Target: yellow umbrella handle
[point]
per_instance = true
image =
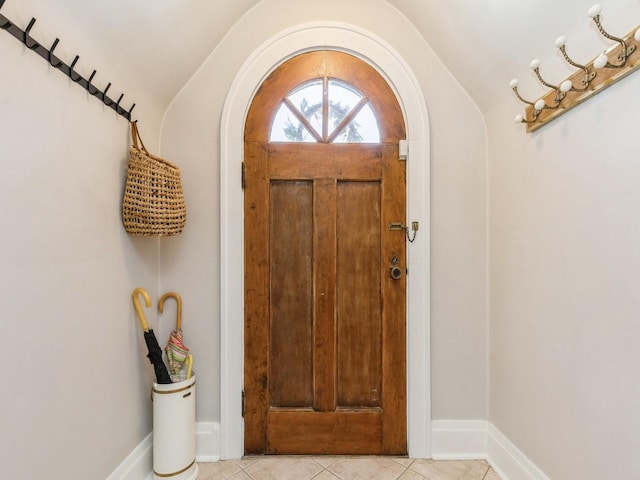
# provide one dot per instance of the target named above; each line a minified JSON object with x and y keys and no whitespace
{"x":189,"y":365}
{"x":178,"y":300}
{"x":136,"y":303}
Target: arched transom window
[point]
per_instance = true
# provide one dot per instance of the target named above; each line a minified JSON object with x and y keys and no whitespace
{"x":325,"y":110}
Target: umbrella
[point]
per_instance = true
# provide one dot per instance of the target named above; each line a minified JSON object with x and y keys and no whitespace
{"x":176,"y":350}
{"x":189,"y":365}
{"x":155,"y":352}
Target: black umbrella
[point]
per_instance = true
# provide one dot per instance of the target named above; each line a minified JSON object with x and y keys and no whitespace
{"x":155,"y":352}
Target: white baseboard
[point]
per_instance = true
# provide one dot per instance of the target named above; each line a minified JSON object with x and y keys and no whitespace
{"x":477,"y":439}
{"x":507,"y":460}
{"x":208,"y":441}
{"x":458,"y":439}
{"x":139,"y":464}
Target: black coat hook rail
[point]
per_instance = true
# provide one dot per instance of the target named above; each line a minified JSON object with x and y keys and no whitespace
{"x":24,"y":36}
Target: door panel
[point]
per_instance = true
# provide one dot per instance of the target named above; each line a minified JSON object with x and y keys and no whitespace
{"x":319,"y":433}
{"x":325,"y":346}
{"x":291,"y":296}
{"x":359,"y":296}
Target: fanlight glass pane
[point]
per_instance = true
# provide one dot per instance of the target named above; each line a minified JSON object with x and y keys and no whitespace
{"x":287,"y":128}
{"x":307,"y":102}
{"x":362,"y":129}
{"x":342,"y":98}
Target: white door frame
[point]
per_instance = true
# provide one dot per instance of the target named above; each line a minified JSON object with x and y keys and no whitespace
{"x":370,"y":48}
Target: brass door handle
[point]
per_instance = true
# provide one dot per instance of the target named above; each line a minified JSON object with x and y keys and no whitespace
{"x":394,"y":269}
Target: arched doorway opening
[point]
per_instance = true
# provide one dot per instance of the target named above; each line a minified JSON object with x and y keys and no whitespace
{"x":369,"y":47}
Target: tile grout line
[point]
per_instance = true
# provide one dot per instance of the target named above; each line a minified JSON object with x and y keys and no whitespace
{"x":487,"y":472}
{"x":420,"y":474}
{"x":323,"y":468}
{"x":245,"y":472}
{"x":404,"y":471}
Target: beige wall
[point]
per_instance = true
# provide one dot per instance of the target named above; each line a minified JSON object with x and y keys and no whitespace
{"x":75,"y":394}
{"x":564,"y":260}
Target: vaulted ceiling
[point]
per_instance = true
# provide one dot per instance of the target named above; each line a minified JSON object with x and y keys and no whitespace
{"x":483,"y":43}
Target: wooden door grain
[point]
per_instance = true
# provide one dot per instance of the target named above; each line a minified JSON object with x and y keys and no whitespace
{"x":325,"y":346}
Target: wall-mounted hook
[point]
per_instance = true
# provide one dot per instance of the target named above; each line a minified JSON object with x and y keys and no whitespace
{"x":53,"y":47}
{"x":514,"y":86}
{"x":118,"y":103}
{"x":89,"y":84}
{"x":536,"y":106}
{"x":26,"y":36}
{"x":567,"y":86}
{"x":104,"y":96}
{"x":131,"y":110}
{"x":603,"y":60}
{"x":71,"y":71}
{"x":535,"y":66}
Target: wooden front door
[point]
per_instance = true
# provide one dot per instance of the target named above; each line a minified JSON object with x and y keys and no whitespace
{"x":325,"y":338}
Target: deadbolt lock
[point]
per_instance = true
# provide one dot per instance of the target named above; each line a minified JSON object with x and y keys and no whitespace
{"x":394,"y":269}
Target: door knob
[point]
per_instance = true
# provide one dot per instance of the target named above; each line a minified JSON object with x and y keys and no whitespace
{"x":394,"y":269}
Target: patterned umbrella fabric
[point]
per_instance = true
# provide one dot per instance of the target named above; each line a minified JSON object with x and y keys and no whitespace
{"x":175,"y":350}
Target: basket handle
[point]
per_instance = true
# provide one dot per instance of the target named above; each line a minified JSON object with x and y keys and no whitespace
{"x":135,"y":136}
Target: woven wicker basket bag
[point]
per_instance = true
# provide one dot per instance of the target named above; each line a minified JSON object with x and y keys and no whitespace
{"x":153,"y":202}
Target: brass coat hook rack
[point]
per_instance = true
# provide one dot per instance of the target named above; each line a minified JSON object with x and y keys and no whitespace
{"x":616,"y":62}
{"x":24,"y":36}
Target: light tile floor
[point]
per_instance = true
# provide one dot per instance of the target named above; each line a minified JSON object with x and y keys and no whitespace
{"x":344,"y":468}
